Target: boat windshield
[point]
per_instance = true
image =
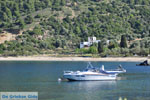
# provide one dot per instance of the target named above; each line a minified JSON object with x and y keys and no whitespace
{"x":91,"y":68}
{"x":120,"y":68}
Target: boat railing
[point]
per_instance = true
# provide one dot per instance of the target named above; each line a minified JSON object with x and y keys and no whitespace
{"x":116,"y":70}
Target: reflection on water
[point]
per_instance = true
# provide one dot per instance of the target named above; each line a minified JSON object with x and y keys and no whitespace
{"x":121,"y":78}
{"x":120,"y":98}
{"x":91,"y":86}
{"x":42,"y":77}
{"x":87,"y":88}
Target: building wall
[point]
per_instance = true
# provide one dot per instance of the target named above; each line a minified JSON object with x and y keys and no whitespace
{"x":91,"y":40}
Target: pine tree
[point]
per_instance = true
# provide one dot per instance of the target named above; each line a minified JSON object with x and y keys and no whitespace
{"x":100,"y":47}
{"x":123,"y":43}
{"x":4,"y":17}
{"x":8,"y":12}
{"x":21,"y":23}
{"x":29,"y":19}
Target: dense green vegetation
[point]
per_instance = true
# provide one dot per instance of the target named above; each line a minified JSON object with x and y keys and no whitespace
{"x":58,"y":26}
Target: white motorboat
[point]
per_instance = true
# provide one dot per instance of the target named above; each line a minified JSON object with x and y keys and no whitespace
{"x":92,"y":74}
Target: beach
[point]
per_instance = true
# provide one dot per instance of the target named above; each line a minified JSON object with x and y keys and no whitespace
{"x":48,"y":58}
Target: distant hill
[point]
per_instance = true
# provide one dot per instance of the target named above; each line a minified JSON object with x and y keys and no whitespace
{"x":58,"y":26}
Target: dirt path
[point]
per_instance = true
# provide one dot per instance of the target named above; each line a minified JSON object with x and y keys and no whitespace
{"x":72,"y":11}
{"x":7,"y":37}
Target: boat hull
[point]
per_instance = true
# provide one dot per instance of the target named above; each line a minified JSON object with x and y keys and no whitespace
{"x":90,"y":77}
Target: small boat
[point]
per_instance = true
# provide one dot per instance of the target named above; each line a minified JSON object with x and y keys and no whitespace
{"x":92,"y":74}
{"x":145,"y":63}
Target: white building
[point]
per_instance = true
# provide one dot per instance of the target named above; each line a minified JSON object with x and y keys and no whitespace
{"x":91,"y":40}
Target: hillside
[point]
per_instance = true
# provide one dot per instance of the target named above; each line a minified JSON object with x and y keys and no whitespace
{"x":58,"y":26}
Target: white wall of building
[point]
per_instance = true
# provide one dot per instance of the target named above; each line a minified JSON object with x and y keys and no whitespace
{"x":91,"y":40}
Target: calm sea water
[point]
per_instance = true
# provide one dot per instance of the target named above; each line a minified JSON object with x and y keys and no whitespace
{"x":42,"y":77}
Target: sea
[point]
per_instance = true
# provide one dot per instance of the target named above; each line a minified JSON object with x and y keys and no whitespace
{"x":42,"y":77}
